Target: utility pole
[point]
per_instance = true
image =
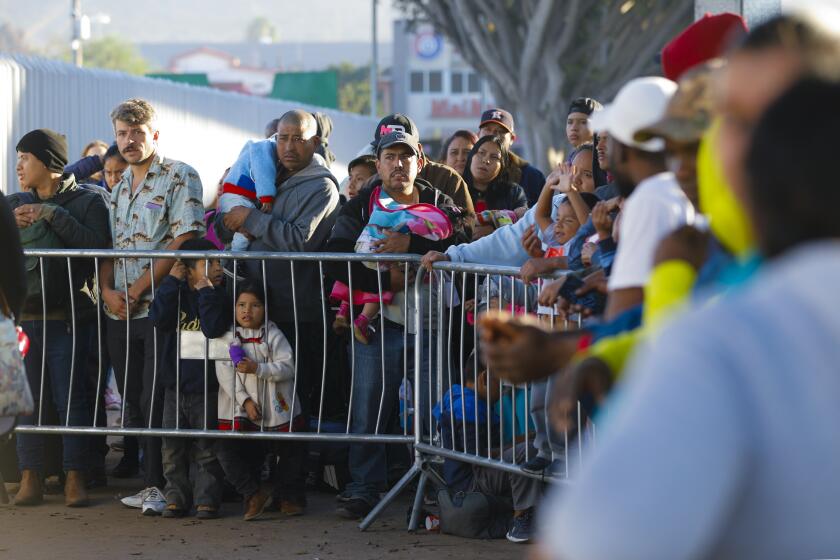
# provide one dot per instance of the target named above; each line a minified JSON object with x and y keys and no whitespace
{"x":374,"y":71}
{"x":76,"y":43}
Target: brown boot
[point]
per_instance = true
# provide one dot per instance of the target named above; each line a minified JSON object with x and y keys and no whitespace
{"x":31,"y":493}
{"x":75,"y":492}
{"x":256,"y":504}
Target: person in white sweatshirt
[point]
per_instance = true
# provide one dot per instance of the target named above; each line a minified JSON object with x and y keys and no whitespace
{"x":257,"y":393}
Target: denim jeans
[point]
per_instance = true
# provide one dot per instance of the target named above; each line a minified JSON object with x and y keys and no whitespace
{"x":549,"y":445}
{"x":368,"y":464}
{"x":59,"y":365}
{"x":140,"y":401}
{"x":180,"y":453}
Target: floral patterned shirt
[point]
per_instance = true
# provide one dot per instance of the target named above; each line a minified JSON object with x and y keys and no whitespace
{"x":165,"y":205}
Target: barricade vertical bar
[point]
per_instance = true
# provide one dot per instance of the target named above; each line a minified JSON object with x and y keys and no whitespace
{"x":475,"y":361}
{"x":461,"y":354}
{"x":352,"y":347}
{"x":235,"y":373}
{"x":154,"y":348}
{"x":324,"y":361}
{"x":98,"y":339}
{"x":127,"y":343}
{"x":501,"y":385}
{"x":513,"y":407}
{"x":381,"y":350}
{"x":405,"y":350}
{"x":178,"y":370}
{"x":489,"y":432}
{"x":43,"y":340}
{"x":73,"y":336}
{"x":206,"y":358}
{"x":527,"y":412}
{"x":441,"y":295}
{"x":432,"y":277}
{"x":264,"y":385}
{"x":297,"y":347}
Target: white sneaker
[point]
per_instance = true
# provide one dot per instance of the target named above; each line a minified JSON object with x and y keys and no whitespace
{"x":155,"y":503}
{"x":136,"y":501}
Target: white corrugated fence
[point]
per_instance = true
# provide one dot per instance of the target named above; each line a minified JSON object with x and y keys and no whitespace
{"x":201,"y":126}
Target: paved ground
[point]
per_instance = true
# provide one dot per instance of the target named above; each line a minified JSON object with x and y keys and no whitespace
{"x":107,"y":530}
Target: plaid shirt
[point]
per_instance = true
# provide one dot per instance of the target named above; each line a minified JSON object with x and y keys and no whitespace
{"x":165,"y":205}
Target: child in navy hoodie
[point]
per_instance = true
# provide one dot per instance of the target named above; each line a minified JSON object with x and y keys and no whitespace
{"x":191,"y":299}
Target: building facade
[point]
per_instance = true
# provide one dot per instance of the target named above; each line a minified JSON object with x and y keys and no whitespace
{"x":433,"y":84}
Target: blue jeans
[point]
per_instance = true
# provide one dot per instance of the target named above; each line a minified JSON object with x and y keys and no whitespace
{"x":58,"y":369}
{"x":368,"y":464}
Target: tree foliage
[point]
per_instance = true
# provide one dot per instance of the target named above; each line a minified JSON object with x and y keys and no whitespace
{"x":261,"y":30}
{"x":354,"y":88}
{"x":113,"y":53}
{"x":13,"y":39}
{"x":539,"y":54}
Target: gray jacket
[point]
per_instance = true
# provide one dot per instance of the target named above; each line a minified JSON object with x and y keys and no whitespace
{"x":304,"y":212}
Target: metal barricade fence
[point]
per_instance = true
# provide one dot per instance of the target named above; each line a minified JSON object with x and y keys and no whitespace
{"x":430,"y":316}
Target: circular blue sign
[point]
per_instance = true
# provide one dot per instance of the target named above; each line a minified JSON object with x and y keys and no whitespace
{"x":428,"y":44}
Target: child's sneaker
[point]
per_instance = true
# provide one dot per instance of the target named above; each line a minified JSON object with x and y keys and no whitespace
{"x":154,"y":503}
{"x":522,"y":527}
{"x":361,"y":329}
{"x":341,"y":324}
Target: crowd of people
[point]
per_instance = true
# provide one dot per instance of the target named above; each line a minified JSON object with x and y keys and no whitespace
{"x":689,"y":229}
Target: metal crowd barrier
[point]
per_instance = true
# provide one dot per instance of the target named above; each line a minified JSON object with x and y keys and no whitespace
{"x":435,"y":323}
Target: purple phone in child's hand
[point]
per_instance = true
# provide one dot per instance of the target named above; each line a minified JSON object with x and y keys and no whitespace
{"x":237,"y":354}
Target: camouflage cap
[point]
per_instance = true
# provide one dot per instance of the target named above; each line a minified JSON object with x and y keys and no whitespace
{"x":690,"y":110}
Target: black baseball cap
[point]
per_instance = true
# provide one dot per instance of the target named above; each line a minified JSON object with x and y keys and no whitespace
{"x":396,"y":122}
{"x":398,"y":137}
{"x":498,"y":116}
{"x":585,"y":105}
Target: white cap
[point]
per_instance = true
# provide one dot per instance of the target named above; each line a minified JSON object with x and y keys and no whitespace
{"x":637,"y":105}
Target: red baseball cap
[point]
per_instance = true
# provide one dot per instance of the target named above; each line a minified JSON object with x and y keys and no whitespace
{"x":703,"y":40}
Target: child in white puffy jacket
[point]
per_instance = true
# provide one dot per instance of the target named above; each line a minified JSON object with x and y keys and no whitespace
{"x":256,"y":393}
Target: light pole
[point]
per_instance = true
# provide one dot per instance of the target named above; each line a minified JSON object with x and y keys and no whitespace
{"x":374,"y":93}
{"x":76,"y":43}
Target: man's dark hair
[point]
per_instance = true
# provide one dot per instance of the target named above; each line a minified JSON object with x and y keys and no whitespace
{"x":271,"y":127}
{"x":792,"y":185}
{"x":112,"y":152}
{"x":251,"y":287}
{"x":195,"y":244}
{"x":817,"y":47}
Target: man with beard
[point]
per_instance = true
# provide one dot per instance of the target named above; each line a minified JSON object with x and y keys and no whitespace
{"x":655,"y":205}
{"x":156,"y":205}
{"x":378,"y":365}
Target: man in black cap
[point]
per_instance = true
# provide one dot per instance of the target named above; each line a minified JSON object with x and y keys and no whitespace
{"x":441,"y":176}
{"x":374,"y":407}
{"x":54,"y":212}
{"x":498,"y":122}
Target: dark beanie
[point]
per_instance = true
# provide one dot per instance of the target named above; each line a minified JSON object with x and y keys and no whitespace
{"x":48,"y":146}
{"x":585,"y":105}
